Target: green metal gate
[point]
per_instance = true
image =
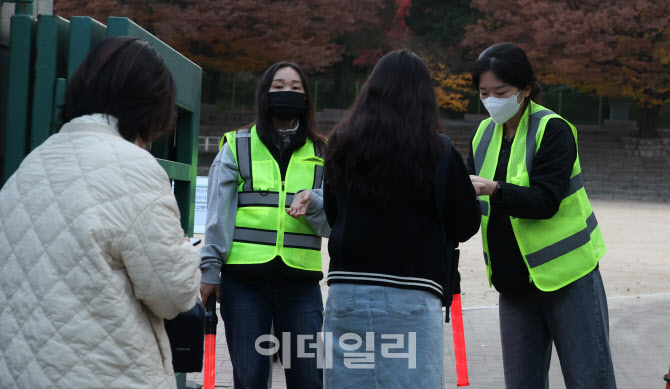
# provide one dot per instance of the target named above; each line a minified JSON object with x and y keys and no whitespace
{"x":43,"y":53}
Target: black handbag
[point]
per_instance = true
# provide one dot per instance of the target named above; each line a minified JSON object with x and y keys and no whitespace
{"x":187,"y":338}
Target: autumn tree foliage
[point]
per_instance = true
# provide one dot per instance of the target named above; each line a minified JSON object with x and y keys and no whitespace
{"x":391,"y":34}
{"x":243,"y":35}
{"x":138,"y":10}
{"x":235,"y":36}
{"x":614,"y":48}
{"x":452,"y":89}
{"x":438,"y":27}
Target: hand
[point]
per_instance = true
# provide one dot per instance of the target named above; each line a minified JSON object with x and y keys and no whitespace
{"x":300,"y":203}
{"x":207,"y":289}
{"x":483,"y":187}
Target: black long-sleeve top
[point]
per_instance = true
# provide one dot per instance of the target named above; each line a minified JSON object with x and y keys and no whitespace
{"x":381,"y":244}
{"x":549,"y":182}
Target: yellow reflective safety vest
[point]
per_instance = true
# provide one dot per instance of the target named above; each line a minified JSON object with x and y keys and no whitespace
{"x":559,"y":250}
{"x":263,"y":229}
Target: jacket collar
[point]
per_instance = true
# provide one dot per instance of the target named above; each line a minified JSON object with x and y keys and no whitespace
{"x":96,"y":123}
{"x":273,"y":140}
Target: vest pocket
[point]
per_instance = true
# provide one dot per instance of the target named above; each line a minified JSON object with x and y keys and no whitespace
{"x":257,"y":217}
{"x":262,"y":173}
{"x":521,"y":177}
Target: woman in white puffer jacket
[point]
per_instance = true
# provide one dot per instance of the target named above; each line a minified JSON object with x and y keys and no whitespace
{"x":92,"y":254}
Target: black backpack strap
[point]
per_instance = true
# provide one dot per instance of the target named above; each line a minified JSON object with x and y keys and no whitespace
{"x":442,"y":171}
{"x":452,"y":279}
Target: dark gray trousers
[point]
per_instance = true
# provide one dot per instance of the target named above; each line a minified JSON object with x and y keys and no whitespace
{"x":575,"y":319}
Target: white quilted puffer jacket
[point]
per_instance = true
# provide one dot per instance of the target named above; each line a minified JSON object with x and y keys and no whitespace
{"x":92,"y":258}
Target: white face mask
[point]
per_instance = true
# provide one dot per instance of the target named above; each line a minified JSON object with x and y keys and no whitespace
{"x":502,"y":109}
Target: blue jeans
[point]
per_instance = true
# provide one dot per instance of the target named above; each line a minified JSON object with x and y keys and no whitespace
{"x":363,"y":330}
{"x":575,"y":318}
{"x":249,"y":309}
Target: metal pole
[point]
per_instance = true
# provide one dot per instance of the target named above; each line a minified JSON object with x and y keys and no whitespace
{"x":316,"y":94}
{"x":232,"y":103}
{"x":600,"y":110}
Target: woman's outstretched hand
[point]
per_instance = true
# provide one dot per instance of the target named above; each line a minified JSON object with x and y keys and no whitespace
{"x":300,"y":203}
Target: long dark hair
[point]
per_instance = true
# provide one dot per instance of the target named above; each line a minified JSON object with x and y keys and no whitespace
{"x":509,"y":63}
{"x":263,"y":117}
{"x":388,"y":145}
{"x":126,"y":78}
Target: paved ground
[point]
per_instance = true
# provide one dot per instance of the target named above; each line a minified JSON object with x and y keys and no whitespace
{"x":639,"y":329}
{"x":636,"y":272}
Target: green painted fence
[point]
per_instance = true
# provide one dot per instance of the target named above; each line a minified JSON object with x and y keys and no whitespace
{"x":44,"y":52}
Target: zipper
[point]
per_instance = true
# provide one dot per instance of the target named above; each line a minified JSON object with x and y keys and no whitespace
{"x":282,"y":214}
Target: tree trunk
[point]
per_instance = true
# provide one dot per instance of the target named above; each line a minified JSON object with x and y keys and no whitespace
{"x":647,"y":121}
{"x":212,"y":91}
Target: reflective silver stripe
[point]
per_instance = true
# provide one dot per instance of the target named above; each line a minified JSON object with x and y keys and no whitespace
{"x":260,"y":199}
{"x":289,"y":199}
{"x":316,"y":151}
{"x":531,"y":137}
{"x":565,"y":246}
{"x":318,"y":176}
{"x":251,"y":235}
{"x":486,"y":258}
{"x":484,"y":206}
{"x":243,"y":146}
{"x":483,"y":146}
{"x":302,"y":241}
{"x":576,"y":183}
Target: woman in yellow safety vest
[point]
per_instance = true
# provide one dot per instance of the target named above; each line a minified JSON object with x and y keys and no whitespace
{"x":265,"y":220}
{"x":541,"y":238}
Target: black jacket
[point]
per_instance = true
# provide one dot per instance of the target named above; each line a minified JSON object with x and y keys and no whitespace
{"x":371,"y":243}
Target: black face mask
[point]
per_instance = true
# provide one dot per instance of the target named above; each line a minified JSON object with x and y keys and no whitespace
{"x":286,"y":105}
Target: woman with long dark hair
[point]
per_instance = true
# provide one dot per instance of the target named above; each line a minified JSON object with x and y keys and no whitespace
{"x":387,"y":248}
{"x":542,"y":243}
{"x":262,"y":252}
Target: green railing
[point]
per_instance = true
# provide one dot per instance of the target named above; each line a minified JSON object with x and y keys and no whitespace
{"x":43,"y":53}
